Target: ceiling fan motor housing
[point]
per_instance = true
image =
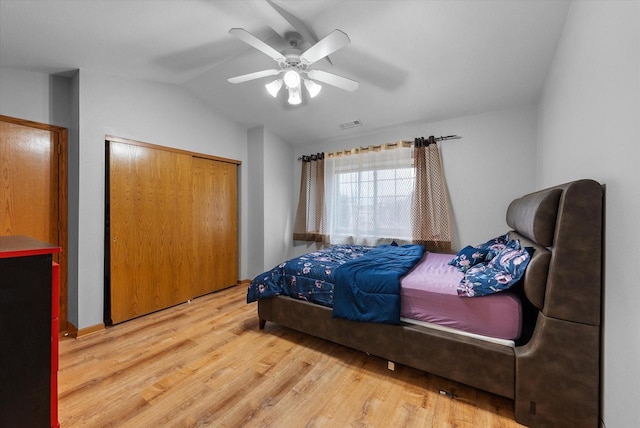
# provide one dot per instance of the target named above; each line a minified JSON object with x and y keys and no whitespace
{"x":294,"y":39}
{"x":292,"y":54}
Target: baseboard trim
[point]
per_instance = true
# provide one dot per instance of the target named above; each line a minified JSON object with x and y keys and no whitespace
{"x":83,"y":332}
{"x":244,"y":281}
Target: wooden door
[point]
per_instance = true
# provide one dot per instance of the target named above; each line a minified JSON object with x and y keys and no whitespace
{"x":215,"y":225}
{"x":150,"y":229}
{"x":33,"y":188}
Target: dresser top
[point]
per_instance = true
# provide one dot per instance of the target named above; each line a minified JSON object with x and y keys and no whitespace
{"x":22,"y":246}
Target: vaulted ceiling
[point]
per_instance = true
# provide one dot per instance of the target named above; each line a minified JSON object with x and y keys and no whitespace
{"x":415,"y":60}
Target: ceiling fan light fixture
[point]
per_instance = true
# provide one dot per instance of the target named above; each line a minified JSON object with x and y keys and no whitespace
{"x":274,"y":87}
{"x":294,"y":95}
{"x":312,"y":87}
{"x":292,"y":79}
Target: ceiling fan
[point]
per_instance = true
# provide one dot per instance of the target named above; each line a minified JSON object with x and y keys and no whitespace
{"x":294,"y":65}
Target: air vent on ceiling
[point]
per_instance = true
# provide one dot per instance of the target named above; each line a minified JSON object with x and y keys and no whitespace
{"x":350,"y":124}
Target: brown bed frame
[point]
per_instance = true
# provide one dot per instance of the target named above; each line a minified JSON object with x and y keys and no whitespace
{"x":553,"y":374}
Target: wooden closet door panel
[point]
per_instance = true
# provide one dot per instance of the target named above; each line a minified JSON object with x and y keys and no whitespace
{"x":215,"y":228}
{"x":227,"y":220}
{"x":204,"y":258}
{"x":150,"y":229}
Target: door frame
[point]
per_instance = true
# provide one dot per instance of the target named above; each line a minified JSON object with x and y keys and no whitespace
{"x":60,"y":137}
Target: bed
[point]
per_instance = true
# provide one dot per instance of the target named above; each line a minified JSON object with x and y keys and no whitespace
{"x":543,"y":350}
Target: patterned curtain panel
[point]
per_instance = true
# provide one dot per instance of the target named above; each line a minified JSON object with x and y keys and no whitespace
{"x":430,"y":208}
{"x":310,"y":223}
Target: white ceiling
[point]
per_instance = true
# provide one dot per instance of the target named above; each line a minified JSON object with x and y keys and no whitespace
{"x":415,"y":60}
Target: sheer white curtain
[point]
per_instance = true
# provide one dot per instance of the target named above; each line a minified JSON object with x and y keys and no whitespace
{"x":368,"y":195}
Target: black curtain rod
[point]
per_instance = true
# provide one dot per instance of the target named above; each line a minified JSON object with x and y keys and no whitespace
{"x":309,"y":158}
{"x":420,"y":140}
{"x":424,"y":142}
{"x":448,"y":137}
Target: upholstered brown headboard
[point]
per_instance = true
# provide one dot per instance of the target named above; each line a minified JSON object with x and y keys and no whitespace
{"x":563,"y":278}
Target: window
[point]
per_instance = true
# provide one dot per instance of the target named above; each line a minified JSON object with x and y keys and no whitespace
{"x":376,"y":203}
{"x":369,"y":196}
{"x":375,"y":195}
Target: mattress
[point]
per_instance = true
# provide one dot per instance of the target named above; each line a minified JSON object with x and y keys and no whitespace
{"x":428,"y":295}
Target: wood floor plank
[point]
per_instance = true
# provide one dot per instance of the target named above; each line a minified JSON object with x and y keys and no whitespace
{"x":206,"y":363}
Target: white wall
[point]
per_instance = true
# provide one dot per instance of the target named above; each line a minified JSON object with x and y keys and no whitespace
{"x":493,"y":163}
{"x":255,"y":207}
{"x":35,"y":96}
{"x":270,"y":200}
{"x":589,"y":127}
{"x":278,"y":204}
{"x":73,"y":184}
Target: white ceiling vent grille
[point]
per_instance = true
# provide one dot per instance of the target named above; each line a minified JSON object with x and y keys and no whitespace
{"x":350,"y":124}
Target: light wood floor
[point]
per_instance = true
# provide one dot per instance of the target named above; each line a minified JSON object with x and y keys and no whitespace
{"x":205,"y":363}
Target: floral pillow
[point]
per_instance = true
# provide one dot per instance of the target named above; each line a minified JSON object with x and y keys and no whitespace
{"x":503,"y":271}
{"x":499,"y":241}
{"x":495,"y":245}
{"x":469,"y":256}
{"x":511,"y":257}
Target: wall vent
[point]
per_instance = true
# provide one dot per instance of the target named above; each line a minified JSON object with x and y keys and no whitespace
{"x":350,"y":124}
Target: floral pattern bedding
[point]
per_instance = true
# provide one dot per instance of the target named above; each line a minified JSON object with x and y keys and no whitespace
{"x":309,"y":277}
{"x":503,"y":271}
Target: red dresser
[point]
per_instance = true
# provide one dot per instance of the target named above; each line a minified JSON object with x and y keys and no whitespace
{"x":28,"y":332}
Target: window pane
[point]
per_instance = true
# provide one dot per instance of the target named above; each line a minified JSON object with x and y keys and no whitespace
{"x":405,"y":173}
{"x":386,"y":174}
{"x":375,"y":203}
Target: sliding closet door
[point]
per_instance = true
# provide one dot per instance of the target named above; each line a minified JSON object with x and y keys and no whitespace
{"x":215,"y":225}
{"x":150,"y":229}
{"x":171,"y":227}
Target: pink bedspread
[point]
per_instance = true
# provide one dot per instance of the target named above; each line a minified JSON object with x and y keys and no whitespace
{"x":428,"y":293}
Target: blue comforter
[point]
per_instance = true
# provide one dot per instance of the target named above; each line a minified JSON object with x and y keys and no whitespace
{"x":368,"y":288}
{"x":308,"y":277}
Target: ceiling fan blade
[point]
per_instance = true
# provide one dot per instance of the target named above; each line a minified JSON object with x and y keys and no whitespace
{"x":283,"y":22}
{"x":253,"y":76}
{"x":252,"y":40}
{"x":334,"y":79}
{"x":334,"y":41}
